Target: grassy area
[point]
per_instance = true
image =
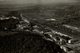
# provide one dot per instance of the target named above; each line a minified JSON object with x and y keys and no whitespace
{"x":27,"y":42}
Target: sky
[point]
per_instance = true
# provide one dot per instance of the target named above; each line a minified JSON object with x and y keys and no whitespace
{"x":35,"y":1}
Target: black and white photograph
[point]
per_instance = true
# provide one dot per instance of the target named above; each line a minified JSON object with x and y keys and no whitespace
{"x":39,"y":26}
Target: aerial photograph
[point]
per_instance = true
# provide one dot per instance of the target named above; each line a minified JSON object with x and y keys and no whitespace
{"x":39,"y":26}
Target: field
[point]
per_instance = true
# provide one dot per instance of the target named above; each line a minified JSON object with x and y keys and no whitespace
{"x":63,"y":18}
{"x":63,"y":14}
